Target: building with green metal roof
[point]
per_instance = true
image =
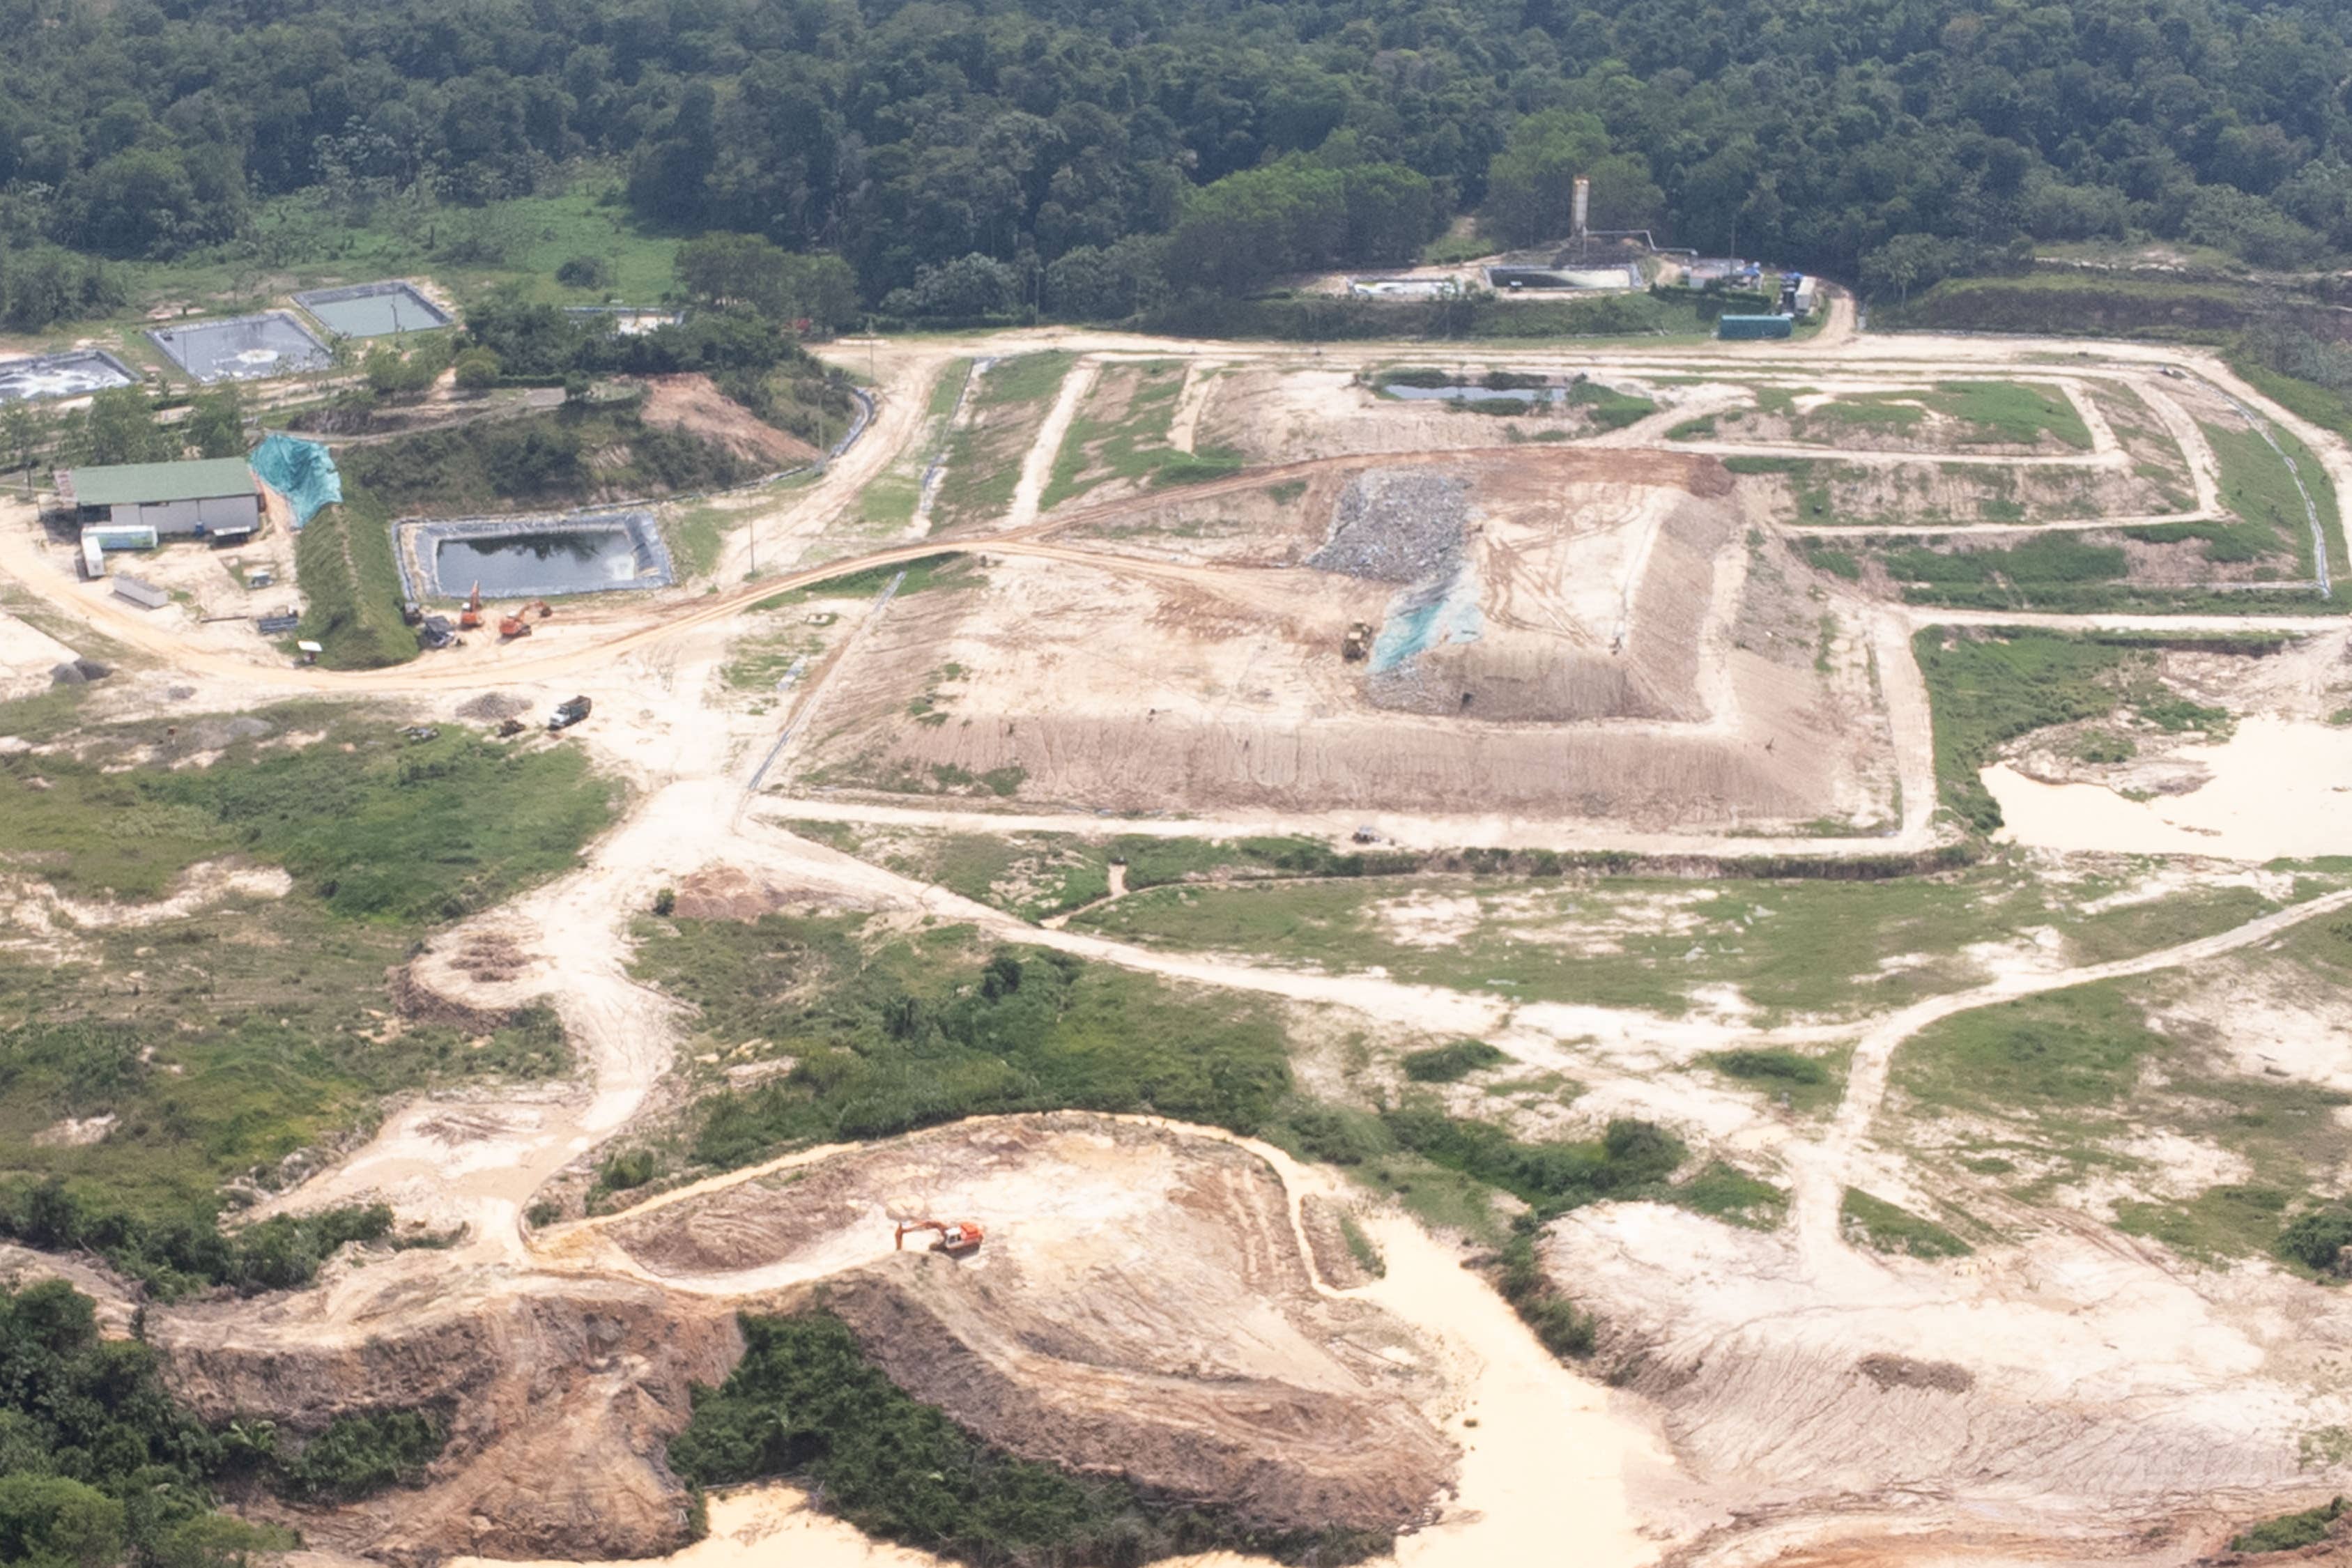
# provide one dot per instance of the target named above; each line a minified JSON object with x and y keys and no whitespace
{"x":212,"y":498}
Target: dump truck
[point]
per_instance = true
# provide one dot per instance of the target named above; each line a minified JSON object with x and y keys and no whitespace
{"x":1356,"y":645}
{"x":567,"y":714}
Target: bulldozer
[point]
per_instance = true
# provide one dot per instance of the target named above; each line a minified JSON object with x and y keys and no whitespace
{"x":1358,"y":644}
{"x":958,"y":1238}
{"x":470,"y":619}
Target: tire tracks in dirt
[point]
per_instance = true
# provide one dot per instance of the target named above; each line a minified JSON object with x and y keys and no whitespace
{"x":1821,"y":1168}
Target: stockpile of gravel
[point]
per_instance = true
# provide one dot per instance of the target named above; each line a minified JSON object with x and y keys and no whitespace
{"x":1396,"y":525}
{"x":492,"y":706}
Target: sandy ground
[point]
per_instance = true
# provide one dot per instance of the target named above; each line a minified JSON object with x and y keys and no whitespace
{"x":2278,"y":788}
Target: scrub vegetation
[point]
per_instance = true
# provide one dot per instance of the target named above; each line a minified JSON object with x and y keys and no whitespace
{"x":806,"y":1404}
{"x":200,"y":1052}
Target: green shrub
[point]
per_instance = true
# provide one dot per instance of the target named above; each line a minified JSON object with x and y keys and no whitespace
{"x":98,"y":1464}
{"x":360,"y":1454}
{"x":1450,"y":1064}
{"x":1550,"y":1178}
{"x":1775,"y":1063}
{"x":2290,"y":1532}
{"x":630,"y":1168}
{"x":2317,"y":1241}
{"x":1566,"y":1330}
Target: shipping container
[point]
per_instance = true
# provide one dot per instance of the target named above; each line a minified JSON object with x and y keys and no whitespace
{"x":1750,"y":329}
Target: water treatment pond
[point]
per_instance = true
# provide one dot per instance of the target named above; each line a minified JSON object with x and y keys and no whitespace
{"x":557,"y":561}
{"x":1475,"y":394}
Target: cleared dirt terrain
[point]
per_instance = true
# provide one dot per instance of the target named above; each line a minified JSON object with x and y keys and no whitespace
{"x":1559,"y":633}
{"x":1458,"y":630}
{"x":1143,"y":1307}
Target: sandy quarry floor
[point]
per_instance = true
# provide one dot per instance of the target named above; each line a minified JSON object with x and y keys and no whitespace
{"x":2063,"y":1396}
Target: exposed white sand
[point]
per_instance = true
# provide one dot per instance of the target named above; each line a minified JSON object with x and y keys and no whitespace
{"x":2280,"y":787}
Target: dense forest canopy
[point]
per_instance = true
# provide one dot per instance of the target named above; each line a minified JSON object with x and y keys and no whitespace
{"x":1082,"y":156}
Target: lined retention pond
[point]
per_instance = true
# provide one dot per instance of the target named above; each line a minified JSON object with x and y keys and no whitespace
{"x":531,"y":557}
{"x":576,"y":561}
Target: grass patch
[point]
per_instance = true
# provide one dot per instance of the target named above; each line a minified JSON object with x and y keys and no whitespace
{"x":1608,"y":408}
{"x":375,"y":825}
{"x":350,"y":584}
{"x":2073,"y":1050}
{"x":1450,"y":1064}
{"x":948,"y":568}
{"x":2235,"y":1220}
{"x":1361,"y":1248}
{"x":2258,"y":488}
{"x":1880,"y":1226}
{"x":805,"y":1402}
{"x":1120,"y":431}
{"x":1792,"y":947}
{"x":1724,"y":1191}
{"x":1009,"y":404}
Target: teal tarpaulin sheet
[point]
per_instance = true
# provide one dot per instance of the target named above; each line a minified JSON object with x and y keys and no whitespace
{"x":301,"y":471}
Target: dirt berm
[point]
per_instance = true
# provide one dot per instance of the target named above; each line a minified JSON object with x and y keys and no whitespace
{"x":1141,"y":1307}
{"x":562,"y":1398}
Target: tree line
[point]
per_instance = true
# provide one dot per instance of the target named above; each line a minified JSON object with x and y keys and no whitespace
{"x":1075,"y":158}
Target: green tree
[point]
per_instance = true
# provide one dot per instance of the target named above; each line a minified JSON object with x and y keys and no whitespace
{"x":1530,"y":184}
{"x":122,"y":428}
{"x":477,"y":370}
{"x":735,"y":271}
{"x":215,"y":423}
{"x":21,"y":437}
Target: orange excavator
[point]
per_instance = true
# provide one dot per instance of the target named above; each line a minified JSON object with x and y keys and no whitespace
{"x":513,"y":627}
{"x":958,"y":1238}
{"x":470,"y":619}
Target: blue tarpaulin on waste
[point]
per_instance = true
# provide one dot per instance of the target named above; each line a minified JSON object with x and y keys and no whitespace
{"x":301,"y":471}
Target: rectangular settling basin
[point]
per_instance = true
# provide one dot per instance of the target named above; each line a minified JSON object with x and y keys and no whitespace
{"x":373,"y":309}
{"x":72,"y":374}
{"x":243,"y":348}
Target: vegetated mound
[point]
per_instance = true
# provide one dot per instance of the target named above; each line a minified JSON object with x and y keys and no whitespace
{"x":560,"y":1396}
{"x":692,"y":403}
{"x":579,"y":453}
{"x":1141,"y":1307}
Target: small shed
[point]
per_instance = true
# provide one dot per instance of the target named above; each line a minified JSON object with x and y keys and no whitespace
{"x":212,"y":495}
{"x":146,"y":595}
